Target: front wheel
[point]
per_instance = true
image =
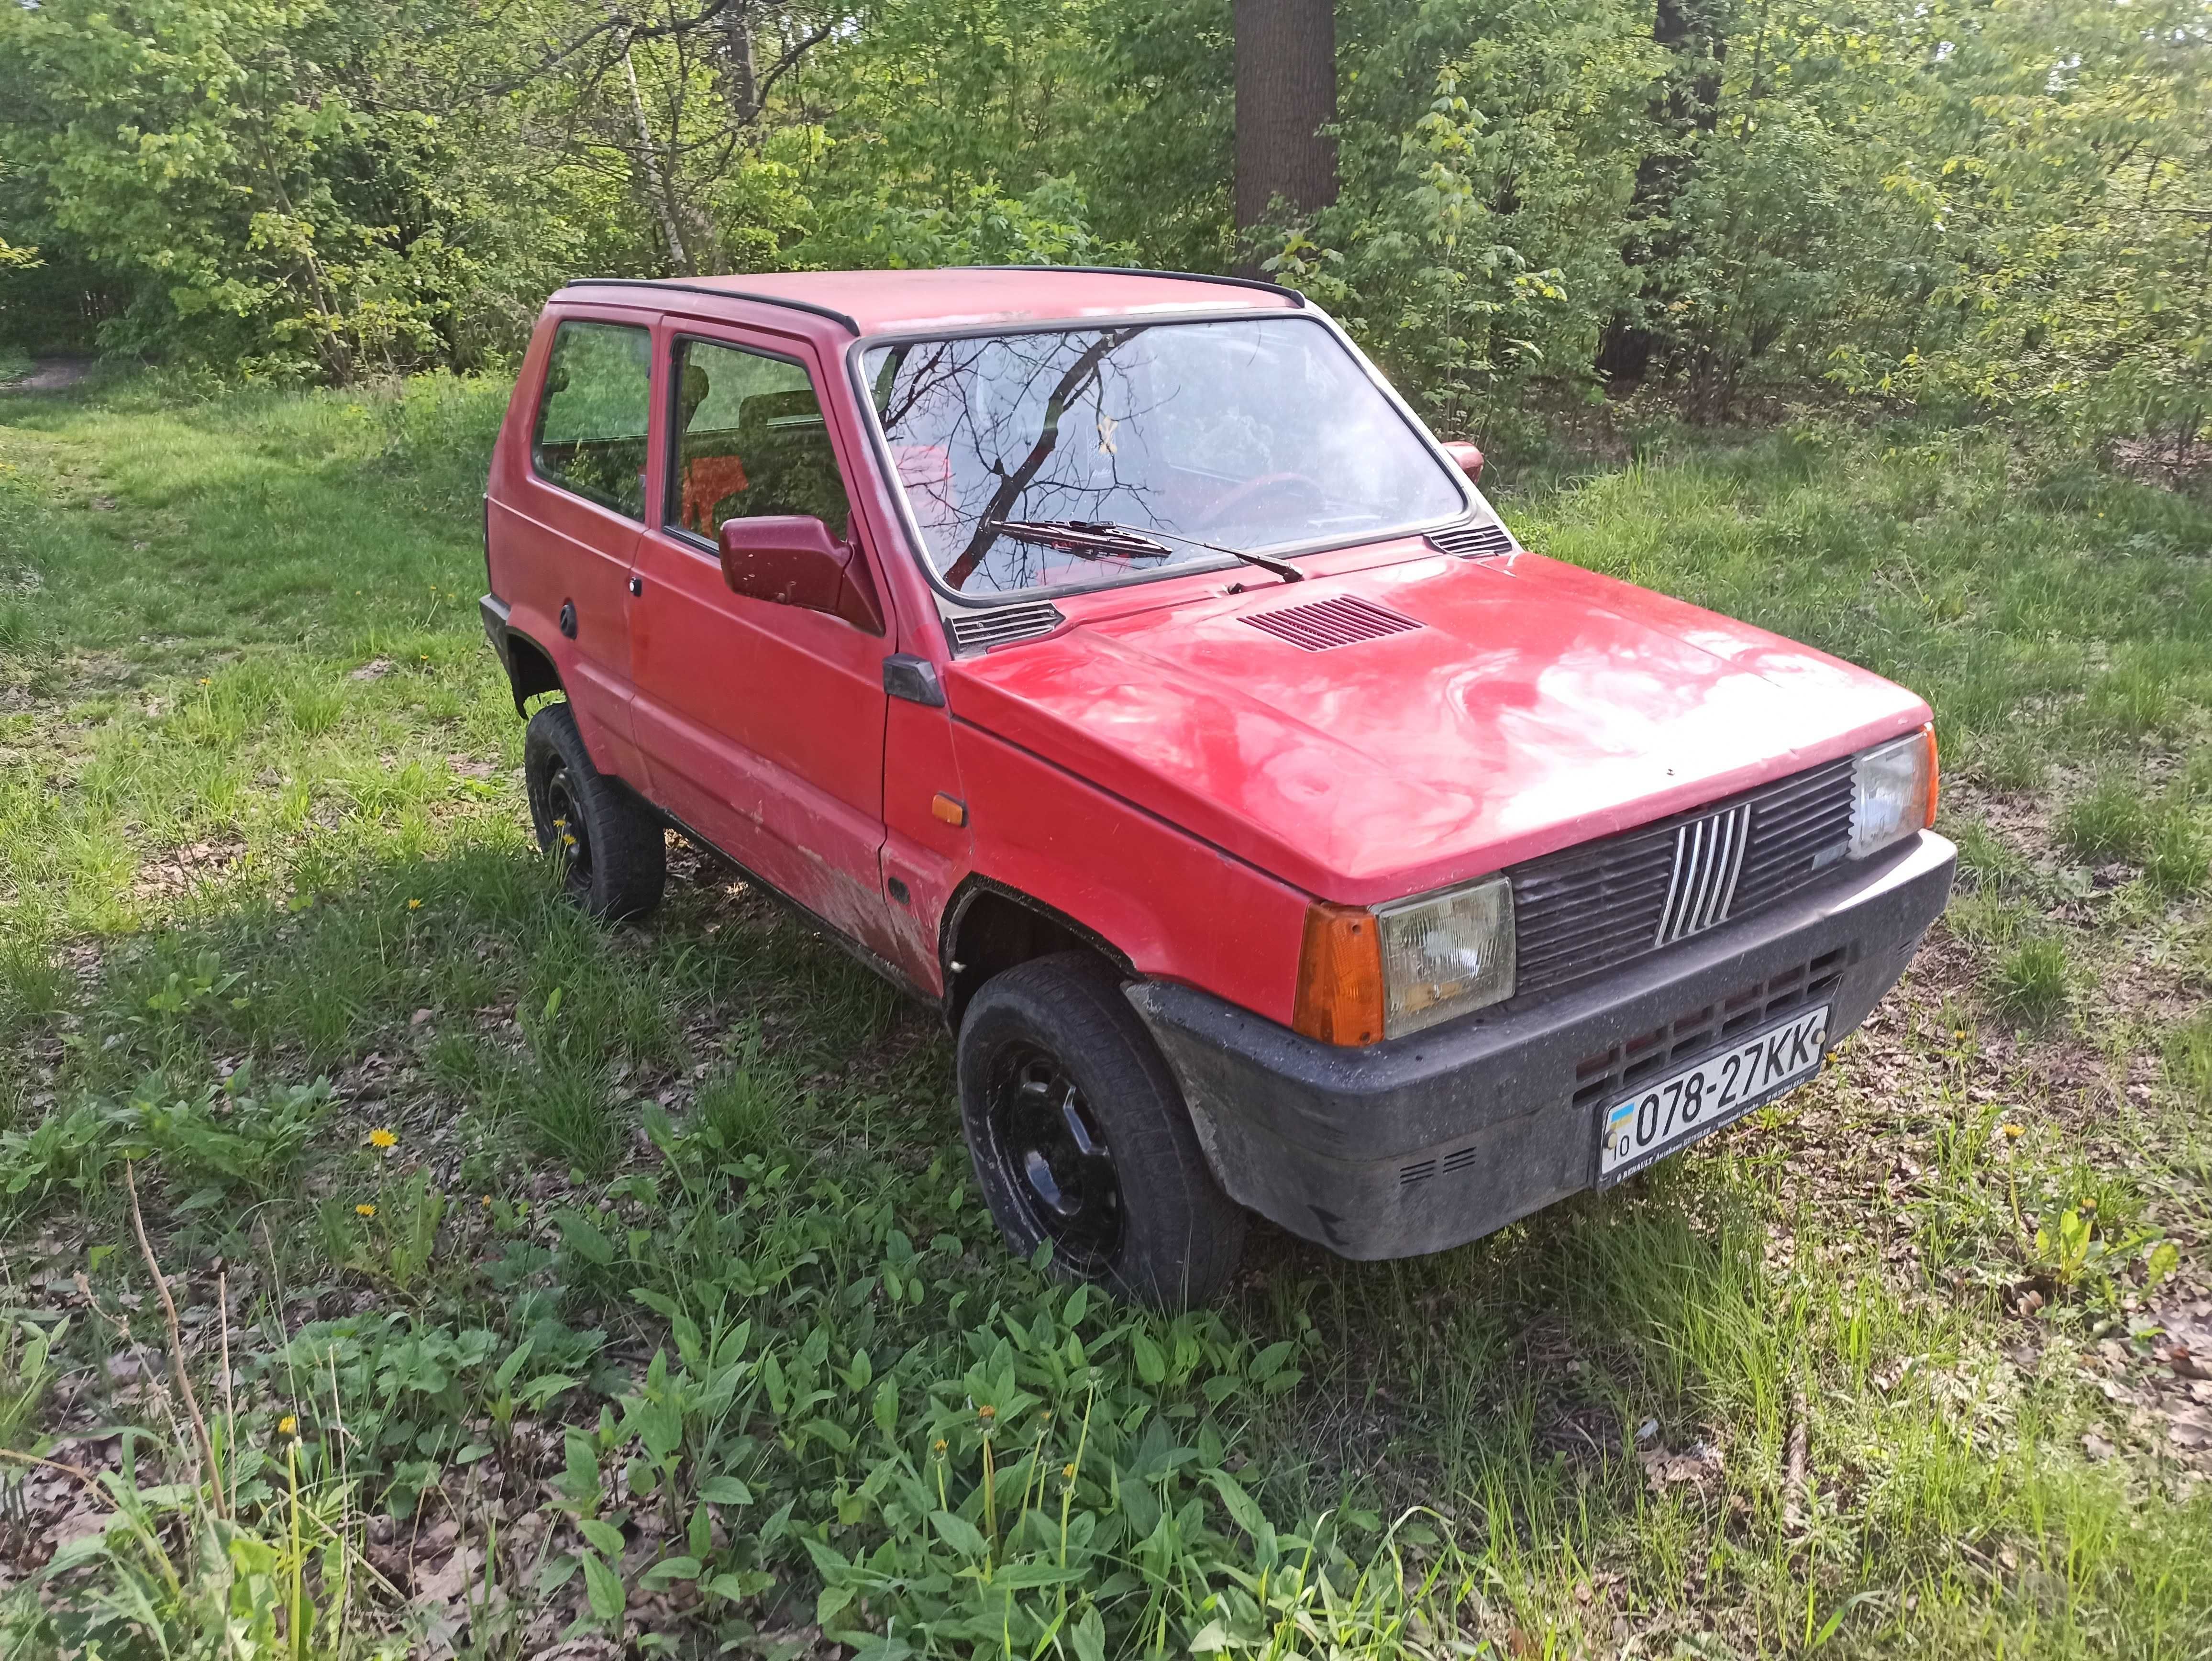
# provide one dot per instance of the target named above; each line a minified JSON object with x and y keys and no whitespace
{"x":1080,"y":1136}
{"x":612,"y":853}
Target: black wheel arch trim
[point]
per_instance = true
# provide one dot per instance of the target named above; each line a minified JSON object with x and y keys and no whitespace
{"x":504,"y":636}
{"x":975,"y":886}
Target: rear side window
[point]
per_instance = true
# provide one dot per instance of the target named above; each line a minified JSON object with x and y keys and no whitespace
{"x":591,"y":416}
{"x":749,"y":439}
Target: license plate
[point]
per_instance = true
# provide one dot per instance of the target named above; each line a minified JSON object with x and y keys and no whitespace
{"x":1675,"y":1111}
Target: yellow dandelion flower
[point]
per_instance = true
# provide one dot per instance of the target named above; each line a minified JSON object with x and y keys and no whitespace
{"x":484,"y":1200}
{"x":938,"y":1446}
{"x":364,"y":1211}
{"x":1068,"y":1471}
{"x":414,"y":905}
{"x":2012,"y":1132}
{"x":380,"y":1137}
{"x":288,"y":1426}
{"x":204,"y":681}
{"x":986,"y":1412}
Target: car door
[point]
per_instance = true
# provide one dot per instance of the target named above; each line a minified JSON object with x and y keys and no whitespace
{"x":565,"y":531}
{"x":762,"y":725}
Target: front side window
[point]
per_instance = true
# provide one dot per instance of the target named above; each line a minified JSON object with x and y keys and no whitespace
{"x":749,"y":439}
{"x":592,"y":416}
{"x":1252,"y":432}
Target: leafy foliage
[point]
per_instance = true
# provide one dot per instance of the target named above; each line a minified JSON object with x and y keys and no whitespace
{"x":1983,"y":206}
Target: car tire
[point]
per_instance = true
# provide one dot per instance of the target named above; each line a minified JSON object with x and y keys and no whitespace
{"x":612,"y":853}
{"x":1080,"y":1136}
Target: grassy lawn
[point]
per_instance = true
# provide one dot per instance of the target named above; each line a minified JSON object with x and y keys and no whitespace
{"x":540,"y":1283}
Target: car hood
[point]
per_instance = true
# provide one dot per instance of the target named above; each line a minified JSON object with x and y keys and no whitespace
{"x":1533,"y":705}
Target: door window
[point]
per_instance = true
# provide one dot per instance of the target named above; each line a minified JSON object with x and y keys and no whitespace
{"x":749,"y":439}
{"x":591,"y":416}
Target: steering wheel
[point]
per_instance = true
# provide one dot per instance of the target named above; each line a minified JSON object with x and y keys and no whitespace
{"x":1259,"y":490}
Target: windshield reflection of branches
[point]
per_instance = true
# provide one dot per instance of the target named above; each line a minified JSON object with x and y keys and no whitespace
{"x":1001,"y":408}
{"x":1014,"y":441}
{"x":1258,"y":432}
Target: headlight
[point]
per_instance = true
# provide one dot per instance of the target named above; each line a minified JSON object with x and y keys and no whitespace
{"x":1365,"y":975}
{"x":1446,"y":954}
{"x":1892,"y":792}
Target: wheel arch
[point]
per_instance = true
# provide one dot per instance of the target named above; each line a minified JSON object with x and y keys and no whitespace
{"x":529,"y":669}
{"x":989,"y":928}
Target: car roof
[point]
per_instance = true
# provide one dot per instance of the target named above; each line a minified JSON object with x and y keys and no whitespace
{"x":957,"y":297}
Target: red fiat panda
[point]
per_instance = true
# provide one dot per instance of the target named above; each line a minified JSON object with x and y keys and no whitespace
{"x":1112,"y":659}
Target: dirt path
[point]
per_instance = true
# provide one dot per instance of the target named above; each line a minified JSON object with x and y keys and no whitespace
{"x":51,"y":374}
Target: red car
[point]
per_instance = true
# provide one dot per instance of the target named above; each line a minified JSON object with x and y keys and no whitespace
{"x":1112,"y":659}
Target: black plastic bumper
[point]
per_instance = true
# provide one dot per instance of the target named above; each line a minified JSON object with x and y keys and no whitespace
{"x":1435,"y":1139}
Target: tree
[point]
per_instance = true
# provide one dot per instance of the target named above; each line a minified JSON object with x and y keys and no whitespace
{"x":1684,"y":109}
{"x":1285,"y":71}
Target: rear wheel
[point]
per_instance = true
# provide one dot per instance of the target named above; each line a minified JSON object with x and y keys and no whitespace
{"x":612,"y":855}
{"x":1080,"y":1136}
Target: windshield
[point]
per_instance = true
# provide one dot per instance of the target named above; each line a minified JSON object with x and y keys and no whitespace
{"x":1255,"y":433}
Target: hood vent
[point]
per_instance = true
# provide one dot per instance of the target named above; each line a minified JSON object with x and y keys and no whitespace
{"x":1474,"y":541}
{"x":1326,"y":624}
{"x":979,"y":631}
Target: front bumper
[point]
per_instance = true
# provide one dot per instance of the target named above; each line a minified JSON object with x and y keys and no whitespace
{"x":1429,"y":1140}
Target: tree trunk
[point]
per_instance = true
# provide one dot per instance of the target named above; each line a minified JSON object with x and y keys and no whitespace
{"x":737,"y":51}
{"x":656,"y":186}
{"x":1285,"y":71}
{"x":1689,"y":101}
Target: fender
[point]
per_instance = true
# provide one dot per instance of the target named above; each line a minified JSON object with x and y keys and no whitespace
{"x":529,"y":670}
{"x":962,"y":978}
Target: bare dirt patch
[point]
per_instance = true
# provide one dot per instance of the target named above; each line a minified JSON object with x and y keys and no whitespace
{"x":51,"y":374}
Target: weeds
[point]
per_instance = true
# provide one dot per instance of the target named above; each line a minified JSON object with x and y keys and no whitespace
{"x":2113,"y":821}
{"x":2189,"y":1059}
{"x":2120,"y":820}
{"x":2032,"y":982}
{"x":27,"y":1371}
{"x":641,"y":1270}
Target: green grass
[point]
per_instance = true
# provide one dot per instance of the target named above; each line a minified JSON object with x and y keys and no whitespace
{"x":2031,"y":981}
{"x":672,"y":1302}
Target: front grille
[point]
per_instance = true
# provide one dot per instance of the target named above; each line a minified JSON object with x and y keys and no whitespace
{"x":1587,"y":909}
{"x":1708,"y":859}
{"x":981,"y":631}
{"x":1327,"y":624}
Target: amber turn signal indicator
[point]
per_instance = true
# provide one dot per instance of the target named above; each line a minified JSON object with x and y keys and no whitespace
{"x":1340,"y":996}
{"x":1934,"y":775}
{"x":948,"y":808}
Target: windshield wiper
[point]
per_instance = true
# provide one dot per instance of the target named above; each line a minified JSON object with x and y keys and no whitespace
{"x":1107,"y":536}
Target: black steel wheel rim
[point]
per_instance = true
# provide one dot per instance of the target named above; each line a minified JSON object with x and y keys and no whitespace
{"x":570,"y":841}
{"x":1056,"y":1163}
